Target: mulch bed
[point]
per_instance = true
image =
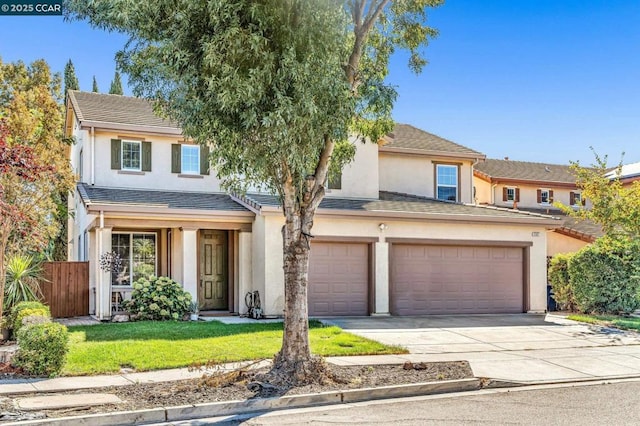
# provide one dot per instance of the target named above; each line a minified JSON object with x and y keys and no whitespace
{"x":234,"y":387}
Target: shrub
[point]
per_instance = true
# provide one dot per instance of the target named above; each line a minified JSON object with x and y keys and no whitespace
{"x":20,"y":318}
{"x":158,"y":298}
{"x":23,"y":274}
{"x":43,"y":348}
{"x":605,"y":276}
{"x":559,"y":279}
{"x":34,"y":308}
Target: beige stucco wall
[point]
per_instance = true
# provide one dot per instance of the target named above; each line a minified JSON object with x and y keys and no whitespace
{"x":270,"y":272}
{"x":415,"y":174}
{"x":483,"y":191}
{"x":559,"y":243}
{"x":529,"y":196}
{"x":360,"y":177}
{"x":160,"y":176}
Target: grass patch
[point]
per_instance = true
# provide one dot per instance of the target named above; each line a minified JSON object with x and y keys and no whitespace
{"x":153,"y":345}
{"x":624,"y":323}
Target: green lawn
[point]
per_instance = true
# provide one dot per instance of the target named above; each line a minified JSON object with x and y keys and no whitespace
{"x":149,"y":345}
{"x":625,"y":323}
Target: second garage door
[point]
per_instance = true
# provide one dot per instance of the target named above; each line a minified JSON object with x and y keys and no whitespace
{"x":431,"y":279}
{"x":338,"y":279}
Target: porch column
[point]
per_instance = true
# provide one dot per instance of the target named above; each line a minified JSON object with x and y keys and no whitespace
{"x":190,"y":280}
{"x":382,"y":279}
{"x":103,"y":286}
{"x":245,"y":276}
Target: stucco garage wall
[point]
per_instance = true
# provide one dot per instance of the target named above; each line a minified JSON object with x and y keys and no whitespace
{"x":329,"y":226}
{"x":558,"y":243}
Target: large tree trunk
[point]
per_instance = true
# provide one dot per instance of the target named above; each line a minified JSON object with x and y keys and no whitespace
{"x":294,"y":363}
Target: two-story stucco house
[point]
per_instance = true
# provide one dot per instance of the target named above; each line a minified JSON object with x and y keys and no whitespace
{"x":535,"y":187}
{"x":396,"y":235}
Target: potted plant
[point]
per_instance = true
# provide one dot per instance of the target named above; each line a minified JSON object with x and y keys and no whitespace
{"x":194,"y":310}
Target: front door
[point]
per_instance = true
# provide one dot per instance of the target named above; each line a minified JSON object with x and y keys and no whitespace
{"x":213,"y":292}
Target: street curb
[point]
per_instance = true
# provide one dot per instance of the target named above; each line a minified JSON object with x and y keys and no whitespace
{"x":168,"y":414}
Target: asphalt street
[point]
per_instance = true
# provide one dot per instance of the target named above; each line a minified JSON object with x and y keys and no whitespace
{"x":595,"y":404}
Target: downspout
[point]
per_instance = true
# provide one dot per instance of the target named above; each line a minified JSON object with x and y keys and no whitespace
{"x":493,"y":194}
{"x":93,"y":158}
{"x":474,"y":199}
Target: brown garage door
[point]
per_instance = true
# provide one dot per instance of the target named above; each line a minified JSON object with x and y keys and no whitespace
{"x":338,"y":279}
{"x":431,"y":280}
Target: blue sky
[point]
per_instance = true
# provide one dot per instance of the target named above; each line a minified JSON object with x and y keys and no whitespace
{"x":530,"y":80}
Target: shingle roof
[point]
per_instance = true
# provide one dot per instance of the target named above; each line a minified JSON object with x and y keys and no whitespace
{"x":118,"y":109}
{"x":571,"y":225}
{"x":391,"y":202}
{"x":523,"y":170}
{"x":169,"y":199}
{"x":626,"y":172}
{"x":409,"y":137}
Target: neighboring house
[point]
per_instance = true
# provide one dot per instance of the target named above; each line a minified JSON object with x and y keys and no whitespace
{"x":383,"y":243}
{"x":534,"y":187}
{"x":628,"y":173}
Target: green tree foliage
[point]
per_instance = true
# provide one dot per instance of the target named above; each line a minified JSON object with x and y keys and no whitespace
{"x":275,"y":88}
{"x":612,"y":205}
{"x":116,"y":85}
{"x":560,"y":281}
{"x":33,"y":112}
{"x":94,"y":88}
{"x":605,"y":276}
{"x":70,"y":78}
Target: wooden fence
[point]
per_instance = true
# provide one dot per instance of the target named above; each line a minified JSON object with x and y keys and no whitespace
{"x":66,"y":289}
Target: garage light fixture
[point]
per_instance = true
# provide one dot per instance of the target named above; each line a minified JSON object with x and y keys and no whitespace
{"x":383,"y":226}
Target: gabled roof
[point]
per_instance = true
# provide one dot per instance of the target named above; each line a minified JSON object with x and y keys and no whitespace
{"x":582,"y":229}
{"x":102,"y":110}
{"x":391,"y":204}
{"x":92,"y":195}
{"x":409,"y":139}
{"x":509,"y":170}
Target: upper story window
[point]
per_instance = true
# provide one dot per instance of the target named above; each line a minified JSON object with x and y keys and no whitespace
{"x":131,"y":155}
{"x":134,"y":156}
{"x":447,"y":182}
{"x":511,"y":194}
{"x":545,"y":196}
{"x":189,"y":159}
{"x":334,"y":181}
{"x":575,"y":199}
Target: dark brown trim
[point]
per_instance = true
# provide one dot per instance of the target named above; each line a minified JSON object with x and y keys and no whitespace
{"x":575,"y":234}
{"x":478,"y":243}
{"x":146,"y":223}
{"x":372,"y":278}
{"x":231,"y":269}
{"x":536,"y":183}
{"x":340,"y":239}
{"x":526,"y":278}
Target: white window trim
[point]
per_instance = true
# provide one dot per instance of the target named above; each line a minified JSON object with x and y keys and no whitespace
{"x":542,"y":191}
{"x":197,"y":148}
{"x":577,"y":199}
{"x":511,"y":188}
{"x":131,"y":234}
{"x":122,"y":166}
{"x":438,"y":184}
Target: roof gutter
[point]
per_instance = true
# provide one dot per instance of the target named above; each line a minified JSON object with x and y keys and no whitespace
{"x":431,"y":153}
{"x":138,"y":128}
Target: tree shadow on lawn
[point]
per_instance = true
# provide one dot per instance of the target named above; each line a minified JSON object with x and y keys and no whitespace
{"x":174,"y":330}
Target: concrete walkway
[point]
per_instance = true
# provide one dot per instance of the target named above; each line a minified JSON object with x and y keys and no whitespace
{"x":519,"y":348}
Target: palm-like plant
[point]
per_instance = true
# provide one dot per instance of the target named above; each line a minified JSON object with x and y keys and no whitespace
{"x":24,"y":275}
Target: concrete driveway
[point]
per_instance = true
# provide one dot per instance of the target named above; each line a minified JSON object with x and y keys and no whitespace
{"x":520,"y":348}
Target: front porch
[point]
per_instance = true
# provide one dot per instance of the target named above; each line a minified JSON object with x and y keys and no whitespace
{"x":212,"y":263}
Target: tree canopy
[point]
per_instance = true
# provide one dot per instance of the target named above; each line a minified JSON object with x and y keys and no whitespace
{"x":116,"y":85}
{"x":94,"y":87}
{"x":32,"y":110}
{"x":70,"y":78}
{"x":276,"y":89}
{"x":612,"y":204}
